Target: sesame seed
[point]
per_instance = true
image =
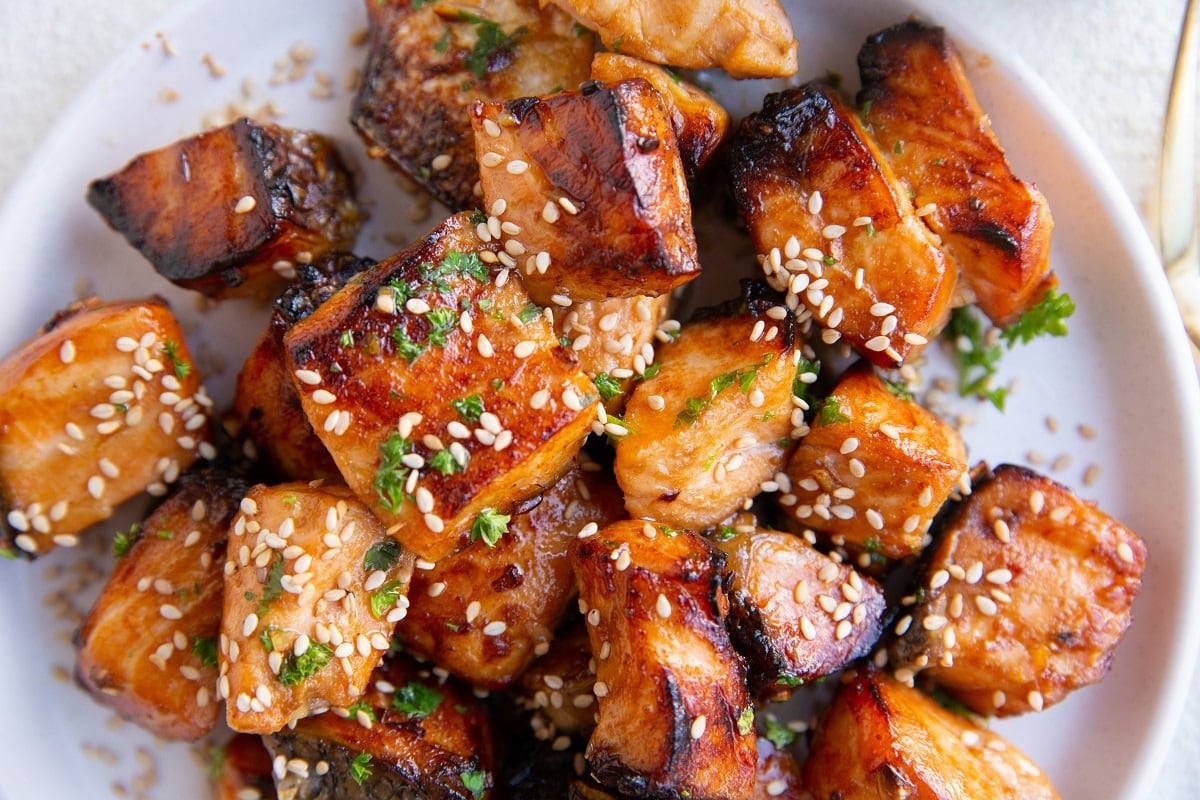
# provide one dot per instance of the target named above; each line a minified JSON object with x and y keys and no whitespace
{"x":815,"y":202}
{"x":484,"y":346}
{"x":999,"y":577}
{"x":494,"y":628}
{"x":926,"y":209}
{"x":878,"y":344}
{"x":491,"y":128}
{"x":1125,"y":552}
{"x":698,"y":726}
{"x":934,"y":622}
{"x":308,"y":377}
{"x":663,"y":606}
{"x":245,"y":205}
{"x":440,"y":162}
{"x":434,"y":523}
{"x":491,"y":159}
{"x":568,"y":206}
{"x":95,"y":486}
{"x":1000,"y":528}
{"x":168,"y":611}
{"x":516,"y":167}
{"x":600,"y":689}
{"x":832,"y":231}
{"x":1036,"y":701}
{"x":986,"y":605}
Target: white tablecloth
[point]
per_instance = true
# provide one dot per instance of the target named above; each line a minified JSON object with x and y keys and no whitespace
{"x":1109,"y":61}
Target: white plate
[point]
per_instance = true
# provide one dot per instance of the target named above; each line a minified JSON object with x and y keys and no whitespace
{"x":1124,"y":370}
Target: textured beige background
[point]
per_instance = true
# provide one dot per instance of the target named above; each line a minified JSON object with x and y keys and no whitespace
{"x":1108,"y":61}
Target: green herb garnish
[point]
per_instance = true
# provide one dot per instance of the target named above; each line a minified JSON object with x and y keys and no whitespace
{"x":360,"y":768}
{"x":385,"y":597}
{"x":124,"y":540}
{"x":489,"y":526}
{"x":205,"y":648}
{"x":469,"y":408}
{"x":170,"y":350}
{"x":416,"y":699}
{"x":392,"y":475}
{"x":296,"y":668}
{"x":381,"y":556}
{"x":475,"y":782}
{"x":779,"y":735}
{"x":1047,"y":318}
{"x":831,"y":411}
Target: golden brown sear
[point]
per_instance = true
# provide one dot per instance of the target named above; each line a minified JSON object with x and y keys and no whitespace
{"x":674,"y":717}
{"x":699,"y":121}
{"x":481,"y":613}
{"x":875,"y":468}
{"x":920,"y":107}
{"x":230,"y":211}
{"x":834,"y":225}
{"x":588,"y":191}
{"x":148,"y":648}
{"x":439,"y":399}
{"x":429,"y":60}
{"x":796,"y":614}
{"x":105,"y":404}
{"x":881,"y":740}
{"x":1025,"y":596}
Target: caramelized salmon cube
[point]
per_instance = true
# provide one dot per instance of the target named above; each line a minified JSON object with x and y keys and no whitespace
{"x":713,"y":424}
{"x":882,"y":739}
{"x":746,"y":39}
{"x":409,"y":735}
{"x":1024,"y":598}
{"x":674,"y":716}
{"x":437,"y":400}
{"x":427,"y":61}
{"x":483,"y":612}
{"x":101,"y":406}
{"x":796,"y":614}
{"x":922,"y":110}
{"x":229,"y":211}
{"x":875,"y":468}
{"x":557,"y":688}
{"x":835,"y":228}
{"x":148,"y":648}
{"x":588,"y":191}
{"x":244,"y":768}
{"x":313,"y":589}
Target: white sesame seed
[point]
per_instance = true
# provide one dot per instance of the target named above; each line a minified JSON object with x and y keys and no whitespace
{"x":698,"y":726}
{"x":999,"y":577}
{"x":245,"y":205}
{"x":1036,"y":701}
{"x":491,"y":159}
{"x":1125,"y":552}
{"x":663,"y":606}
{"x":308,"y":377}
{"x":494,"y":628}
{"x":440,"y":162}
{"x":516,"y":166}
{"x":878,"y":344}
{"x":484,"y":346}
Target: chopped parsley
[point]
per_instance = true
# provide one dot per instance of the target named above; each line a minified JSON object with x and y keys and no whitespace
{"x":385,"y":597}
{"x":779,"y":734}
{"x":360,"y":768}
{"x":346,"y":339}
{"x":443,"y":44}
{"x":608,"y":386}
{"x":489,"y":526}
{"x":831,"y":411}
{"x":267,"y":638}
{"x":381,"y":556}
{"x":166,"y":534}
{"x":478,"y":217}
{"x":494,"y":49}
{"x":416,"y":699}
{"x":441,"y":322}
{"x":297,"y":669}
{"x":804,"y":367}
{"x":391,"y":475}
{"x":124,"y":540}
{"x":977,"y":362}
{"x":406,"y":348}
{"x":170,"y":351}
{"x":273,"y":587}
{"x":899,"y":389}
{"x":745,"y":721}
{"x":693,"y":407}
{"x":475,"y":780}
{"x":725,"y":533}
{"x":445,"y":463}
{"x":205,"y":648}
{"x":469,"y":408}
{"x":1047,"y":318}
{"x":529,"y":313}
